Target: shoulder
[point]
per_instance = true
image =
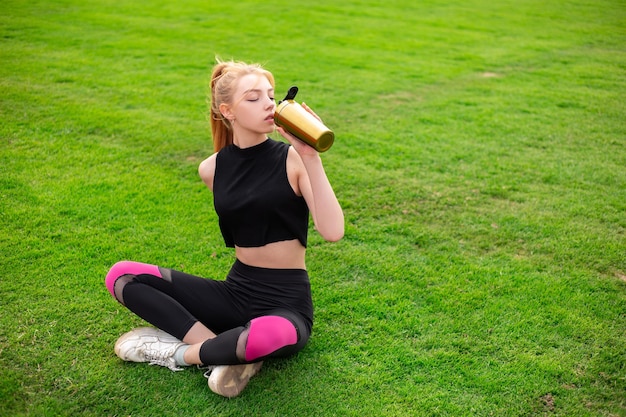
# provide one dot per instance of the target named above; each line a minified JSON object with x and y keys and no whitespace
{"x":207,"y":170}
{"x":293,"y":159}
{"x":296,"y":172}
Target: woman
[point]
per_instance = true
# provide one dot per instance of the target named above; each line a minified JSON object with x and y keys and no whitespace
{"x":263,"y":193}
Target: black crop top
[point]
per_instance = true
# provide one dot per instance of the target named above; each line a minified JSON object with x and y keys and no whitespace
{"x":253,"y":198}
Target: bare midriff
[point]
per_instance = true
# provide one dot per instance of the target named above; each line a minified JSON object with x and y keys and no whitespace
{"x":287,"y":254}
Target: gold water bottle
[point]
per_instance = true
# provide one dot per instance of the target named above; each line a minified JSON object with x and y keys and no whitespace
{"x":291,"y":116}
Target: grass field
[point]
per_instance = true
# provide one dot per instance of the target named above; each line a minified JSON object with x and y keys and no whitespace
{"x":480,"y":160}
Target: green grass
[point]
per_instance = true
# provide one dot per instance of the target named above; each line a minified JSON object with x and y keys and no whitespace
{"x":480,"y":160}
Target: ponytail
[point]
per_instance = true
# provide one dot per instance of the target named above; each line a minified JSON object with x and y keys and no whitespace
{"x":221,"y":128}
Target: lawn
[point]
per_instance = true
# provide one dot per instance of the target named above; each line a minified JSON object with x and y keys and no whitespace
{"x":480,"y":159}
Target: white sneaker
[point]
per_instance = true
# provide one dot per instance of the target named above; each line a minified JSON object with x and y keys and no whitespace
{"x":230,"y":380}
{"x":148,"y":344}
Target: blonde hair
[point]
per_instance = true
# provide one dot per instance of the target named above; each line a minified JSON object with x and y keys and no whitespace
{"x":224,"y":80}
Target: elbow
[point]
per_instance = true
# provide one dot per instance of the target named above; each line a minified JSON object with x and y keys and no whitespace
{"x":333,"y":229}
{"x":335,"y":238}
{"x":334,"y":235}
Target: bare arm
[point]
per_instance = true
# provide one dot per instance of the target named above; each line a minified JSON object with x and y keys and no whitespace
{"x":326,"y":211}
{"x":207,"y":170}
{"x":316,"y":189}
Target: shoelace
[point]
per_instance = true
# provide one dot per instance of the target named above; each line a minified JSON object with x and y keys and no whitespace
{"x":162,"y":358}
{"x":209,"y":369}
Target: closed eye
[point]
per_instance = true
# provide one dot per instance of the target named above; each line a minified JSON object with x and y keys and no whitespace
{"x":255,"y":94}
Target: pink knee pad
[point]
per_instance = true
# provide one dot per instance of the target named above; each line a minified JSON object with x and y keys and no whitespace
{"x":267,"y":334}
{"x":128,"y":268}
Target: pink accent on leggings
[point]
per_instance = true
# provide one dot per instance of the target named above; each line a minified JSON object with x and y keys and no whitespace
{"x":128,"y":268}
{"x":268,"y":334}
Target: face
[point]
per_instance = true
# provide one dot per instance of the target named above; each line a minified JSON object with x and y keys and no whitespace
{"x":253,"y":105}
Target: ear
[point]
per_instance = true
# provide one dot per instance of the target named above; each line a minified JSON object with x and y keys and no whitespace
{"x":226,"y":111}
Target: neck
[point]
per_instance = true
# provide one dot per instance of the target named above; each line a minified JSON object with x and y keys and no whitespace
{"x":247,"y":139}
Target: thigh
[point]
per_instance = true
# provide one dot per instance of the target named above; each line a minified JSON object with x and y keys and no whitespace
{"x":274,"y":289}
{"x":210,"y":301}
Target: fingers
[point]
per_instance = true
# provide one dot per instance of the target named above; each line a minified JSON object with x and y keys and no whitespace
{"x":307,"y":108}
{"x":300,"y":147}
{"x":285,"y":134}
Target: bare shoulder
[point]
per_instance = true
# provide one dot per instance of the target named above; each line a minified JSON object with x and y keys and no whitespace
{"x":207,"y":170}
{"x":294,"y":161}
{"x":296,"y":173}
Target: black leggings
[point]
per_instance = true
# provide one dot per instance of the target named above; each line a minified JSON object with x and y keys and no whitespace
{"x":273,"y":304}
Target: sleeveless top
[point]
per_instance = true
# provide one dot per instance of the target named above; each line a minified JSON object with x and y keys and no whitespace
{"x":253,"y":198}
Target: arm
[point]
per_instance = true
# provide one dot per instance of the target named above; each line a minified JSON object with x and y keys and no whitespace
{"x":325,"y":209}
{"x":315,"y":187}
{"x":207,"y":170}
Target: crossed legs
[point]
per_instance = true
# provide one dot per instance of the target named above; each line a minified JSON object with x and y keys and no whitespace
{"x":181,"y":304}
